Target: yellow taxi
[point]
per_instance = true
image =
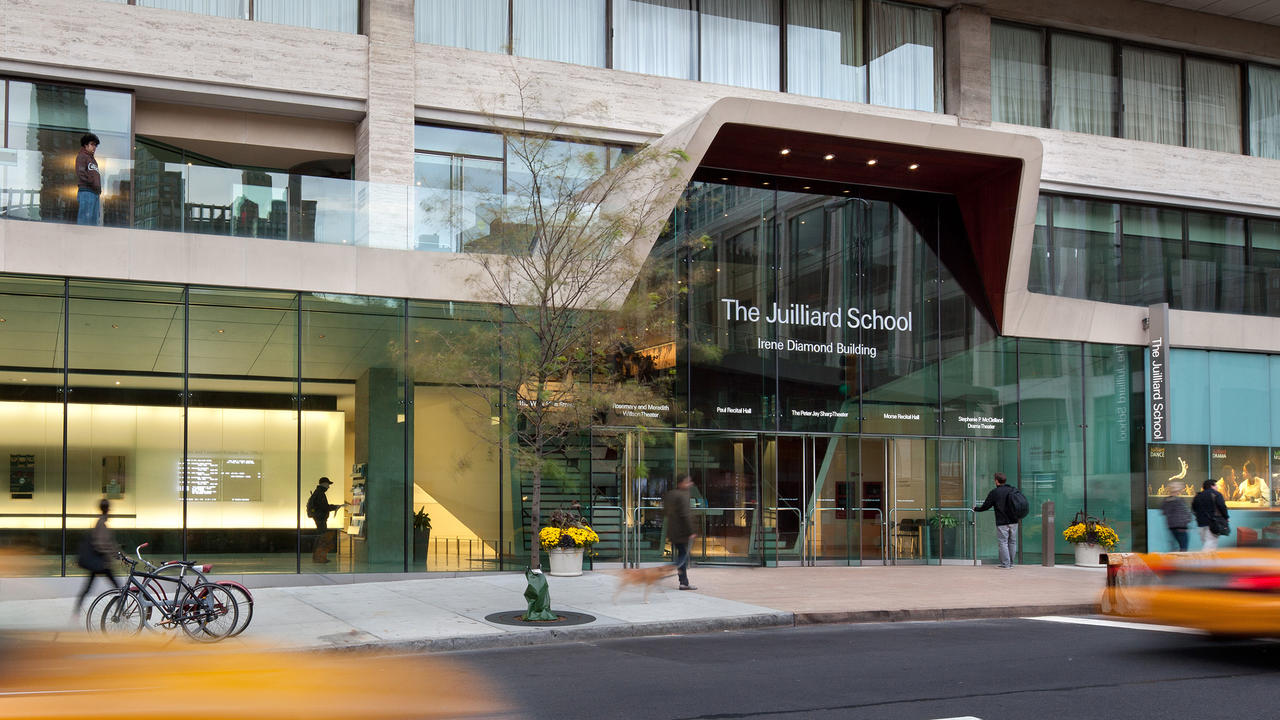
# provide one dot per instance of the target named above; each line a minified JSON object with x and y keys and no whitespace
{"x":1233,"y":592}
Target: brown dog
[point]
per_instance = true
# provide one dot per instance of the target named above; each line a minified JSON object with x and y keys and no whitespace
{"x":644,"y":577}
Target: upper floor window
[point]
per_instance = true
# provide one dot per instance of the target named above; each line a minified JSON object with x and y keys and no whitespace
{"x":1143,"y":254}
{"x":1095,"y":85}
{"x":337,"y":15}
{"x":885,"y":53}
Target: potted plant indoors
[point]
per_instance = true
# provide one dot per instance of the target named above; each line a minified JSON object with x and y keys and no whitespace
{"x":565,"y":538}
{"x":421,"y":536}
{"x":942,"y":533}
{"x":1092,"y":537}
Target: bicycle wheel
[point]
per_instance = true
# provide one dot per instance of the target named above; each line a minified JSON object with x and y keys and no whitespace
{"x":208,"y":612}
{"x":122,"y":615}
{"x":93,"y":616}
{"x":244,"y":604}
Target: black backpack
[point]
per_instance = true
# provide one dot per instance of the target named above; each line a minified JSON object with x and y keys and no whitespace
{"x":1016,"y":505}
{"x":316,"y":506}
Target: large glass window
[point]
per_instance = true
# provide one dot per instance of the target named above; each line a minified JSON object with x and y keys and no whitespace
{"x":1084,"y":256}
{"x":45,"y":125}
{"x":906,"y":56}
{"x":656,"y":37}
{"x":219,"y":8}
{"x":242,"y":430}
{"x":126,"y":424}
{"x":1017,"y":75}
{"x":1152,"y":254}
{"x":1213,"y":274}
{"x":1051,"y":410}
{"x":337,"y":15}
{"x":1264,"y":111}
{"x":1152,"y":82}
{"x":352,"y":359}
{"x":1213,"y":105}
{"x":475,"y":25}
{"x":825,"y":54}
{"x":570,"y":31}
{"x":31,"y":413}
{"x":1082,"y":84}
{"x":740,"y":43}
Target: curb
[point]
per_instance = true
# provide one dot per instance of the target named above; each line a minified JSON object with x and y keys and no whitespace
{"x":586,"y":633}
{"x":937,"y":614}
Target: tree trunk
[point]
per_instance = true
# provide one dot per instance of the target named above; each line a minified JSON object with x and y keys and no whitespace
{"x":535,"y":509}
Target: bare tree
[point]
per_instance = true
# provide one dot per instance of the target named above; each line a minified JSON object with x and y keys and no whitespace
{"x":559,"y":257}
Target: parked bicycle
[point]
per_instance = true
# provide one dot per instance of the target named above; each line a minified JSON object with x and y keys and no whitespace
{"x":205,"y":611}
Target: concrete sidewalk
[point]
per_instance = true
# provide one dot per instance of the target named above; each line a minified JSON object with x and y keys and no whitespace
{"x":448,"y":613}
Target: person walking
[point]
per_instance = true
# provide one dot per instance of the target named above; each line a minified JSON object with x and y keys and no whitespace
{"x":1006,"y":522}
{"x":89,"y":181}
{"x":318,"y":509}
{"x":1176,"y":514}
{"x":95,"y":553}
{"x":1206,"y":504}
{"x":679,"y":520}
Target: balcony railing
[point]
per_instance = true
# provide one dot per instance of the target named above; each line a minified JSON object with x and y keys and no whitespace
{"x":229,"y":202}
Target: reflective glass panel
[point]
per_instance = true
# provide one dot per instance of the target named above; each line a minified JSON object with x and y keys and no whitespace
{"x":1214,"y":276}
{"x":218,"y":8}
{"x":242,"y":430}
{"x":740,"y":43}
{"x":571,"y":31}
{"x":1017,"y":75}
{"x":656,"y":37}
{"x":1151,"y":254}
{"x":906,"y":57}
{"x":1050,"y":377}
{"x":1213,"y":105}
{"x":31,"y":411}
{"x":1085,"y":255}
{"x":1152,"y":83}
{"x":1083,"y":85}
{"x":1264,"y":111}
{"x":825,"y":53}
{"x":337,"y":15}
{"x":475,"y":24}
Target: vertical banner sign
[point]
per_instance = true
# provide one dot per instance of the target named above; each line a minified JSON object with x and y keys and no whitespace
{"x":1158,"y":369}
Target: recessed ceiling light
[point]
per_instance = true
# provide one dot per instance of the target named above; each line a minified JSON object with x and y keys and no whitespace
{"x":221,"y":330}
{"x":766,"y":182}
{"x":1,"y":319}
{"x":725,"y":179}
{"x":117,"y":382}
{"x":321,"y":337}
{"x":806,"y":187}
{"x":872,"y":161}
{"x":829,"y":156}
{"x":846,"y":191}
{"x":913,"y":166}
{"x":24,"y":379}
{"x":785,"y":151}
{"x":115,"y":326}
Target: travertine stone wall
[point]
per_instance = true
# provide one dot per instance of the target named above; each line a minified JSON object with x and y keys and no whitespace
{"x":384,"y":139}
{"x":162,"y":51}
{"x":968,"y":64}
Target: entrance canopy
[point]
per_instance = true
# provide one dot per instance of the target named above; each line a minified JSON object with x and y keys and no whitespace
{"x":994,"y":176}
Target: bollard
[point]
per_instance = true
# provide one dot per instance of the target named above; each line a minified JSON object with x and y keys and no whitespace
{"x":1047,"y":537}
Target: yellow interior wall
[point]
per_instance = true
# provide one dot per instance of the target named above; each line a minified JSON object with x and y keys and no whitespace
{"x":455,"y":464}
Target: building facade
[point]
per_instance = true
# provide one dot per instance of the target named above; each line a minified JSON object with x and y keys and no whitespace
{"x":917,"y":244}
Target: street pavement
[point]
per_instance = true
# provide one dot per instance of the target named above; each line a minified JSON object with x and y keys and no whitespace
{"x":448,"y":613}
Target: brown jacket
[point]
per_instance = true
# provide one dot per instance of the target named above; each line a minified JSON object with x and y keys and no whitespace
{"x":678,"y":515}
{"x":87,"y":172}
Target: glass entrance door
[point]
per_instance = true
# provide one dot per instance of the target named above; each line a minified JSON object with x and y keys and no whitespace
{"x":845,"y":510}
{"x":910,"y":467}
{"x":726,"y":479}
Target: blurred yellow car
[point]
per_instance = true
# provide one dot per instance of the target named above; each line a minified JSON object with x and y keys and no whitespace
{"x":1234,"y":592}
{"x":76,"y":676}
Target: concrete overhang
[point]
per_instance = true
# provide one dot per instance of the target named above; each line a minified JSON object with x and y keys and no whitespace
{"x":994,"y":176}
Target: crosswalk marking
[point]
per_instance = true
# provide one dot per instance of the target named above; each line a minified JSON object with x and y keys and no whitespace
{"x":1116,"y":624}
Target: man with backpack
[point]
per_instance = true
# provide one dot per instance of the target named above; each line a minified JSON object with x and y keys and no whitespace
{"x":1010,"y":506}
{"x":318,"y":509}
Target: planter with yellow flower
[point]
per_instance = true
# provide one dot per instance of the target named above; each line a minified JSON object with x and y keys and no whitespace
{"x":1092,"y":538}
{"x":565,"y":539}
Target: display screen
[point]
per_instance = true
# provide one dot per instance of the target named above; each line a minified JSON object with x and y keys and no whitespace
{"x":224,"y":477}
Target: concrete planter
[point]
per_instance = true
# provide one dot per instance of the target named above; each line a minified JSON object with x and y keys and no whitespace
{"x":1088,"y":555}
{"x":565,"y":562}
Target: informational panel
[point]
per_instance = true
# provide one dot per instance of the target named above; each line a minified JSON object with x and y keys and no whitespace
{"x":224,"y":477}
{"x":22,"y":477}
{"x":113,"y":476}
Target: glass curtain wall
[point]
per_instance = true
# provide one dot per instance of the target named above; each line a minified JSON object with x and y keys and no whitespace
{"x":126,"y":422}
{"x":1152,"y":83}
{"x":475,"y":24}
{"x":243,"y":429}
{"x":353,"y":362}
{"x":826,"y":56}
{"x":31,"y":424}
{"x":571,"y":31}
{"x":1017,"y":75}
{"x":1264,"y":111}
{"x":906,"y":57}
{"x":656,"y":37}
{"x":45,"y":123}
{"x":1213,"y":105}
{"x":1082,"y":85}
{"x":739,"y":43}
{"x":1051,"y":410}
